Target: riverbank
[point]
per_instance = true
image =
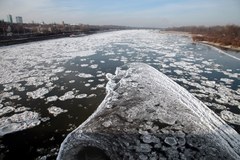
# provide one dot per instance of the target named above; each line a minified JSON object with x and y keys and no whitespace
{"x":32,"y":38}
{"x":40,"y":37}
{"x":218,"y":45}
{"x":224,"y":37}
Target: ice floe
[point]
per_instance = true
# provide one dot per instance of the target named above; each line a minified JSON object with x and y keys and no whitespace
{"x":72,"y":81}
{"x":92,"y":95}
{"x":52,"y":98}
{"x":231,"y":117}
{"x":85,"y":75}
{"x":80,"y":96}
{"x":5,"y":110}
{"x":39,"y":93}
{"x":87,"y":84}
{"x":18,"y":122}
{"x":94,"y":66}
{"x":56,"y":110}
{"x":21,"y":109}
{"x":67,"y":95}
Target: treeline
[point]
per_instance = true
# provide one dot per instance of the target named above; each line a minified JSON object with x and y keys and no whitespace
{"x":224,"y":35}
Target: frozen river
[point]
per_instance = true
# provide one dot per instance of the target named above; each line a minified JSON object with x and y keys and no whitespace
{"x":49,"y":88}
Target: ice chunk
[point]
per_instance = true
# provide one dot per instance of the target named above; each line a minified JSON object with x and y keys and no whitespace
{"x":71,"y":81}
{"x":39,"y":93}
{"x":55,"y":78}
{"x":90,"y":80}
{"x":92,"y":95}
{"x":85,"y":75}
{"x":15,"y":97}
{"x":67,"y":95}
{"x":59,"y":69}
{"x":84,"y":65}
{"x":5,"y":110}
{"x":231,"y":117}
{"x":87,"y":84}
{"x":21,"y":109}
{"x":94,"y":66}
{"x":80,"y":96}
{"x":179,"y":72}
{"x":56,"y":110}
{"x":68,"y":71}
{"x":101,"y":80}
{"x":226,"y":80}
{"x":147,"y":138}
{"x":18,"y":122}
{"x":107,"y":124}
{"x":170,"y":141}
{"x":100,"y":85}
{"x":52,"y":98}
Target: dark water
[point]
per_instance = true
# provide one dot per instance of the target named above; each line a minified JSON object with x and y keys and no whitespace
{"x":198,"y":68}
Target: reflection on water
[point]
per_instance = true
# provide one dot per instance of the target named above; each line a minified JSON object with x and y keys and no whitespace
{"x":54,"y":80}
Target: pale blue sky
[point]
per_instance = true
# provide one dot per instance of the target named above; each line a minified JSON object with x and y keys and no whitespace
{"x":146,"y":13}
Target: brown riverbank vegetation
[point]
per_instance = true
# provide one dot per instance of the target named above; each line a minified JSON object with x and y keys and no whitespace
{"x":223,"y":35}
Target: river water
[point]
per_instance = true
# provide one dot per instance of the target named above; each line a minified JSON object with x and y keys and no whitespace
{"x":49,"y":88}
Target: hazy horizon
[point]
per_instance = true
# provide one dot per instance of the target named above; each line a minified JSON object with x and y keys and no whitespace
{"x":138,"y":13}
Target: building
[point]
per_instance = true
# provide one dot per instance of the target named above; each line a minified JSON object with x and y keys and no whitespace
{"x":19,"y":19}
{"x":9,"y":18}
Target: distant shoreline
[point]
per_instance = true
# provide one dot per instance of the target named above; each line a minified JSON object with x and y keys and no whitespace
{"x":218,"y":45}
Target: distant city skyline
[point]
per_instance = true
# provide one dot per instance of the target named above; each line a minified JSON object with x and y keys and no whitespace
{"x":139,"y":13}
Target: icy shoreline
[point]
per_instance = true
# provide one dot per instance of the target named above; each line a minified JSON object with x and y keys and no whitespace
{"x":147,"y":115}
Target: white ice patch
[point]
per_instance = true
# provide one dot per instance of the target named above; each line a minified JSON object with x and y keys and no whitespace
{"x":179,"y":72}
{"x":21,"y":109}
{"x":67,"y":95}
{"x":80,"y":96}
{"x":84,"y":75}
{"x":5,"y":110}
{"x":87,"y":84}
{"x":226,"y":80}
{"x":39,"y":93}
{"x":52,"y":98}
{"x":15,"y":97}
{"x":94,"y":66}
{"x":92,"y":95}
{"x":56,"y":110}
{"x":100,"y":85}
{"x":90,"y":80}
{"x":72,"y":81}
{"x":19,"y":122}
